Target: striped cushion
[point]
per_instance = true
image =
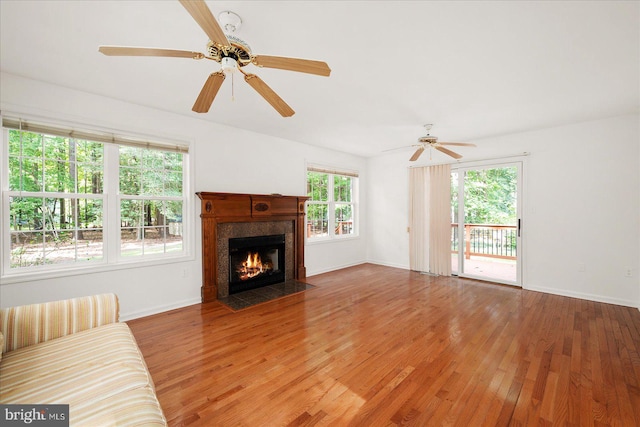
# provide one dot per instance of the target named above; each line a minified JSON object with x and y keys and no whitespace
{"x":31,"y":324}
{"x":99,"y":372}
{"x":133,"y":408}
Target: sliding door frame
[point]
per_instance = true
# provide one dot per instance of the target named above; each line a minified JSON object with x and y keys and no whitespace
{"x":461,"y":168}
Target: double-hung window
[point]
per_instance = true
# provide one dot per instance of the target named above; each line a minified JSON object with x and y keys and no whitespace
{"x":76,"y":198}
{"x":333,"y":204}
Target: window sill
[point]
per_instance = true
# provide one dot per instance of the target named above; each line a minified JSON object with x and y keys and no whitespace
{"x":19,"y":277}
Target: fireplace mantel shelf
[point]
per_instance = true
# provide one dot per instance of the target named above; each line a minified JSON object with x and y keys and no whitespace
{"x":221,"y":208}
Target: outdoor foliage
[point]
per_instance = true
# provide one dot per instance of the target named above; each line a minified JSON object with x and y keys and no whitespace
{"x":50,"y":164}
{"x":490,"y":196}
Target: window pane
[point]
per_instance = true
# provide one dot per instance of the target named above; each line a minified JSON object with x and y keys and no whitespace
{"x":26,"y":249}
{"x":131,"y":241}
{"x":149,"y":172}
{"x":344,"y":219}
{"x":56,"y":147}
{"x":173,"y":161}
{"x":55,"y":214}
{"x":57,"y":177}
{"x":59,"y":247}
{"x":150,"y":227}
{"x":153,"y":213}
{"x":152,"y":183}
{"x":318,"y":186}
{"x":173,"y":212}
{"x":152,"y":159}
{"x":317,"y":220}
{"x":130,"y":181}
{"x":90,"y":246}
{"x":342,"y":188}
{"x":89,"y":213}
{"x":173,"y":184}
{"x":130,"y":213}
{"x":31,"y":144}
{"x":130,"y":156}
{"x":90,"y":178}
{"x":154,"y":240}
{"x":25,"y":213}
{"x":173,"y":218}
{"x":62,"y":242}
{"x":27,"y":175}
{"x":174,"y":244}
{"x":89,"y":152}
{"x":25,"y":144}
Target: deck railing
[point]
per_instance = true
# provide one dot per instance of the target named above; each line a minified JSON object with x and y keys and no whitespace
{"x":494,"y":241}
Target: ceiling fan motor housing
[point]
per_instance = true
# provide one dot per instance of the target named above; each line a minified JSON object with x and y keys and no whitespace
{"x":239,"y":50}
{"x":428,"y":139}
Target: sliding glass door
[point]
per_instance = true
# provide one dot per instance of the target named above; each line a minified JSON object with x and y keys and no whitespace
{"x":486,"y":222}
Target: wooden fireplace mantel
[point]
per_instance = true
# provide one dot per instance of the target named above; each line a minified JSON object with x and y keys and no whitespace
{"x":220,"y":208}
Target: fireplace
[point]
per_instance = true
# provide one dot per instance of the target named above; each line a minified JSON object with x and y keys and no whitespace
{"x":255,"y":262}
{"x":229,"y":224}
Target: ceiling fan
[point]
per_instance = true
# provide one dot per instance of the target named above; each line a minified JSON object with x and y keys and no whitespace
{"x":232,"y":53}
{"x":432,"y":142}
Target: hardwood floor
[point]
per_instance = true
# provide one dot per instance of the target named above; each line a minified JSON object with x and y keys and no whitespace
{"x":377,"y":346}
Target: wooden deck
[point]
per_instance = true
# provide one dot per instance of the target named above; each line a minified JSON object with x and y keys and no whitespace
{"x":490,"y":269}
{"x":378,"y":346}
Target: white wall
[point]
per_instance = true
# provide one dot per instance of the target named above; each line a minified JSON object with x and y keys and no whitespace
{"x":582,"y":187}
{"x":582,"y":206}
{"x":225,"y":159}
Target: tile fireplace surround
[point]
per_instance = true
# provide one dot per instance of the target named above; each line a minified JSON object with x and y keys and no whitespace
{"x":227,"y":215}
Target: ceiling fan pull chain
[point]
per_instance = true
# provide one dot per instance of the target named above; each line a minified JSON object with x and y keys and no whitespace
{"x":233,"y":98}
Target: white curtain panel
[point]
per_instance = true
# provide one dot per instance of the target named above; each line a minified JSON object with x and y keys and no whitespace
{"x":429,"y":219}
{"x":440,"y":219}
{"x":418,"y":219}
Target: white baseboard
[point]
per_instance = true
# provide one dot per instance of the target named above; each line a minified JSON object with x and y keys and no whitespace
{"x":584,"y":296}
{"x":388,"y":264}
{"x":311,"y":272}
{"x":340,"y":267}
{"x":158,"y":309}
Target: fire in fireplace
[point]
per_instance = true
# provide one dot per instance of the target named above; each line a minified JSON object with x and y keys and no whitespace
{"x":255,"y":262}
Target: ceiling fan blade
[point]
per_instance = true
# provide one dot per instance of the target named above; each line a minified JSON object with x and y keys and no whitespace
{"x":148,"y":51}
{"x":459,"y":144}
{"x":208,"y":92}
{"x":202,"y":15}
{"x":293,"y":64}
{"x":447,"y":152}
{"x":417,"y":154}
{"x":269,"y":95}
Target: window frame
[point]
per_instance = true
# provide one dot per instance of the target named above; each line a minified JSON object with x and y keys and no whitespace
{"x":111,"y":257}
{"x":331,"y":203}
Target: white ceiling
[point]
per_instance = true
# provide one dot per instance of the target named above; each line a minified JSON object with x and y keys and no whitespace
{"x":475,"y":69}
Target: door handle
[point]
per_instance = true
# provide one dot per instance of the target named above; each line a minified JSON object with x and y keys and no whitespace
{"x":519,"y":226}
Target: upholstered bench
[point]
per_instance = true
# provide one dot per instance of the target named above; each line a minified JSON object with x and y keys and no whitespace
{"x":76,"y":352}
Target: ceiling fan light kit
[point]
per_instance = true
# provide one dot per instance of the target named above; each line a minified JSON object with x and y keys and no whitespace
{"x":232,"y":53}
{"x":229,"y":65}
